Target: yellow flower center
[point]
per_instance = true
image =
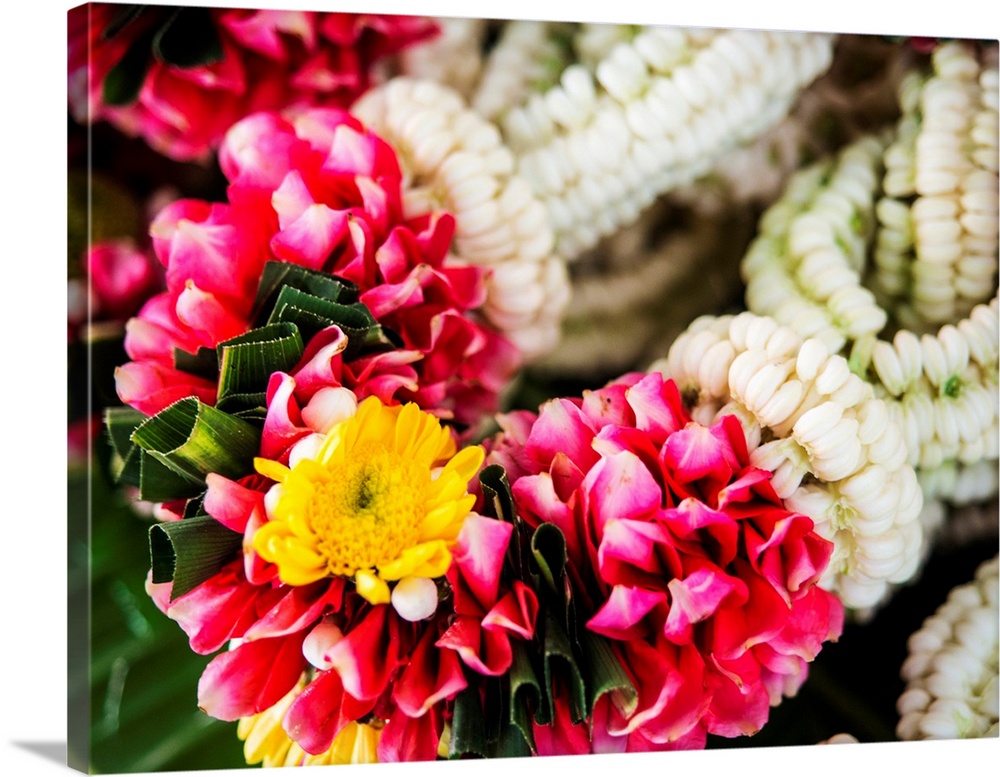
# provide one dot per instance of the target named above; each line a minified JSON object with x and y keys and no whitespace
{"x":369,"y":510}
{"x":383,"y":498}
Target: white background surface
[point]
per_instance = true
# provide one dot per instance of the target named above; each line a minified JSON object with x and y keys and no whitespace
{"x":33,"y":378}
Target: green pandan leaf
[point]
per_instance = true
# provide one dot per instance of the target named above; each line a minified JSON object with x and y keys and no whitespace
{"x":122,"y":83}
{"x":204,"y":364}
{"x":604,"y":674}
{"x":548,"y":548}
{"x":277,"y":275}
{"x":559,"y":660}
{"x":251,"y":406}
{"x":188,"y":552}
{"x":527,"y":697}
{"x":188,"y":39}
{"x":160,"y":483}
{"x":468,"y":727}
{"x":119,"y":423}
{"x":193,"y":439}
{"x":499,"y":504}
{"x":247,"y":362}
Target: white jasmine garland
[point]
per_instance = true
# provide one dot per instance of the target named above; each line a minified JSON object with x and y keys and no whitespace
{"x":807,"y":268}
{"x":660,"y":109}
{"x":951,"y":670}
{"x":835,"y":451}
{"x":455,"y":159}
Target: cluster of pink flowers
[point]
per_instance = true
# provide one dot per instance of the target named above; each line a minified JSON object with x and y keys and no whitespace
{"x":270,"y":60}
{"x":320,"y":191}
{"x":354,"y":661}
{"x":682,"y":556}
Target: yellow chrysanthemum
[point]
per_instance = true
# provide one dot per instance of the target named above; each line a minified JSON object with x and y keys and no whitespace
{"x":266,"y":742}
{"x":383,"y":499}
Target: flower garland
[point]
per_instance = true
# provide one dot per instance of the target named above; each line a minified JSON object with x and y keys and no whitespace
{"x":455,"y":159}
{"x":180,"y":77}
{"x":321,"y":192}
{"x":836,"y":451}
{"x":951,"y":671}
{"x":655,"y":111}
{"x":808,"y":266}
{"x":679,"y":552}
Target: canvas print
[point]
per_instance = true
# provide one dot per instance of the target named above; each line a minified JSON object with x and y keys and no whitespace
{"x":461,"y":388}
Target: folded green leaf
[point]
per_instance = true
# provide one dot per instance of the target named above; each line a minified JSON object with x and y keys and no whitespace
{"x":247,"y":362}
{"x":468,"y":728}
{"x":193,"y":439}
{"x":204,"y":363}
{"x":605,"y":674}
{"x":559,"y":660}
{"x":277,"y":275}
{"x":160,"y":483}
{"x":527,"y":698}
{"x":190,"y":551}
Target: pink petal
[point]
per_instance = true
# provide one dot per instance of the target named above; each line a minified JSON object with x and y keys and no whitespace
{"x":430,"y":676}
{"x":479,"y":556}
{"x":406,"y":739}
{"x":620,"y":486}
{"x":251,"y":678}
{"x":657,"y":406}
{"x":321,"y":711}
{"x":229,"y":502}
{"x":516,"y":612}
{"x":621,"y":616}
{"x":696,"y":598}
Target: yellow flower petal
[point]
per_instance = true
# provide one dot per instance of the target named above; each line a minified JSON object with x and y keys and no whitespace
{"x":371,"y":587}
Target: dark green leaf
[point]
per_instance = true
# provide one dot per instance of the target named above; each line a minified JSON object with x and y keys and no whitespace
{"x":188,"y":39}
{"x":527,"y":697}
{"x":605,"y":675}
{"x":559,"y":660}
{"x":277,"y":275}
{"x":160,"y":483}
{"x":204,"y":364}
{"x":188,"y":552}
{"x":548,"y":547}
{"x":468,"y":729}
{"x":247,"y":362}
{"x":122,"y":83}
{"x":193,"y":439}
{"x":120,"y":422}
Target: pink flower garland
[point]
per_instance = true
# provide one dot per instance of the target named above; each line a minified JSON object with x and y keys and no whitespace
{"x":272,"y":60}
{"x":358,"y":660}
{"x":320,"y":191}
{"x":682,"y":554}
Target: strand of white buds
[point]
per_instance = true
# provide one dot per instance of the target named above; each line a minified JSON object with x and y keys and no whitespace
{"x":454,"y":159}
{"x":454,"y":57}
{"x":944,"y":393}
{"x":937,"y":249}
{"x":656,"y":112}
{"x":804,"y":268}
{"x":951,"y":670}
{"x":835,"y":452}
{"x":527,"y":57}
